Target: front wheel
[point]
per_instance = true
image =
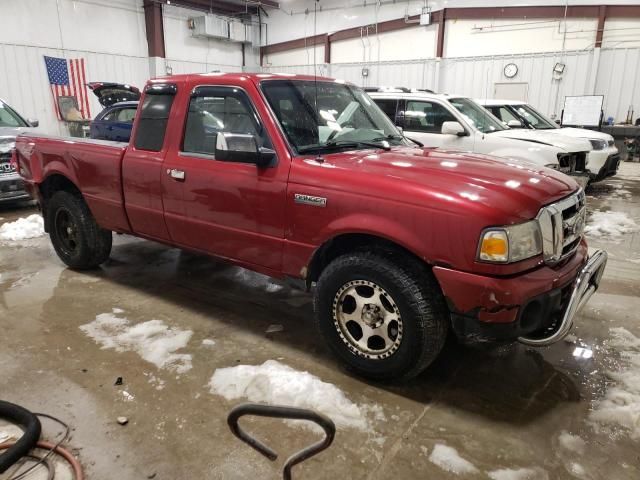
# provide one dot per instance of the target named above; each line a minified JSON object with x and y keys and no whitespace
{"x":76,"y":237}
{"x":384,"y":317}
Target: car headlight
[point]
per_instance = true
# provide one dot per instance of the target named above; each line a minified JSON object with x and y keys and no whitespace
{"x":598,"y":144}
{"x":510,"y":243}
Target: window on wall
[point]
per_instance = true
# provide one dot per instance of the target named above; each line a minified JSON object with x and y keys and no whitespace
{"x":423,"y":116}
{"x":219,"y":109}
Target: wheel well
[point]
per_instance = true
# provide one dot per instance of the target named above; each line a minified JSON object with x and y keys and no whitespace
{"x":51,"y":185}
{"x":350,"y":242}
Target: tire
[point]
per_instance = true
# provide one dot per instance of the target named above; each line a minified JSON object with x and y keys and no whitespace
{"x":400,"y":290}
{"x":74,"y":233}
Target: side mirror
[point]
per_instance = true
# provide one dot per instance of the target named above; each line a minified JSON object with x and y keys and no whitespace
{"x":453,"y":128}
{"x":514,"y":124}
{"x":242,"y":147}
{"x":34,"y":122}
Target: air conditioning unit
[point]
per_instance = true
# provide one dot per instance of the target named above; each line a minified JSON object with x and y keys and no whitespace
{"x":239,"y":32}
{"x":210,"y":26}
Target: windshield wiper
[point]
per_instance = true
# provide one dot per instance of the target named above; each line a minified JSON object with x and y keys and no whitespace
{"x":345,"y":144}
{"x":393,"y":136}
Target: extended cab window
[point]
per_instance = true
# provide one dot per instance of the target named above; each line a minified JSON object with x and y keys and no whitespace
{"x":422,"y":116}
{"x":388,"y":106}
{"x":154,"y":116}
{"x":219,"y":109}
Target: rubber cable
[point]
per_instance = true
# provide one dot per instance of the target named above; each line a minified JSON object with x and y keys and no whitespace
{"x":31,"y":426}
{"x":78,"y":474}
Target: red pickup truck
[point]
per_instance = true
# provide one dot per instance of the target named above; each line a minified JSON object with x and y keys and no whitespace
{"x":306,"y":178}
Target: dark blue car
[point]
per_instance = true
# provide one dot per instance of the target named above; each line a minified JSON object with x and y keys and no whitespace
{"x":116,"y":120}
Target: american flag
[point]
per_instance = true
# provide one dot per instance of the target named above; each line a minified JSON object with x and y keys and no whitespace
{"x":67,"y":79}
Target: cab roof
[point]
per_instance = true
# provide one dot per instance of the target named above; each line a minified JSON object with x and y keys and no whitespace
{"x":240,"y":77}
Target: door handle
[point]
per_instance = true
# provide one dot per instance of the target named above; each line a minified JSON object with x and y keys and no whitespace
{"x":176,"y":174}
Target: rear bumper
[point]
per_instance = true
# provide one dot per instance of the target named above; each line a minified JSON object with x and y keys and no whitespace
{"x":532,"y":307}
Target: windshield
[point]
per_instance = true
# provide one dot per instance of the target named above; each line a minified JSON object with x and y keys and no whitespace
{"x":477,"y":116}
{"x":534,"y":118}
{"x":9,"y":118}
{"x":322,"y":115}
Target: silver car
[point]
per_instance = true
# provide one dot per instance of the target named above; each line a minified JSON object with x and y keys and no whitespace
{"x":11,"y":124}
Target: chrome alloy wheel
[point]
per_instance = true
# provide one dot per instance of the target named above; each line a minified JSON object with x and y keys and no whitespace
{"x":367,"y":319}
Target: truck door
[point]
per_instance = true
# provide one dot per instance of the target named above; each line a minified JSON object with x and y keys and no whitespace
{"x":232,"y":209}
{"x":142,"y":165}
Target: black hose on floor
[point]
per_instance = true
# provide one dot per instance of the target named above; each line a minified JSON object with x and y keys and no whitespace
{"x":31,"y":426}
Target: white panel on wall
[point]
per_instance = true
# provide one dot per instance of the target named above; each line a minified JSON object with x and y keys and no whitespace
{"x":465,"y":38}
{"x":619,"y":81}
{"x":410,"y":74}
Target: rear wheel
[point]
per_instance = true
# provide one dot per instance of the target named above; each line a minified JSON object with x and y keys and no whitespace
{"x":384,"y":317}
{"x":74,"y":233}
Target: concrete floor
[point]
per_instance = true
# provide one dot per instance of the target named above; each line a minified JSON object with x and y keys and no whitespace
{"x":500,"y":409}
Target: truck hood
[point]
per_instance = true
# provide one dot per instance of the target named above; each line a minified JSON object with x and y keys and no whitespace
{"x":581,"y":133}
{"x":546,"y":137}
{"x":512,"y":190}
{"x":8,"y":136}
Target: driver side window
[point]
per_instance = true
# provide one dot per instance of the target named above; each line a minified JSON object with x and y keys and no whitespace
{"x":214,"y":110}
{"x":424,"y":116}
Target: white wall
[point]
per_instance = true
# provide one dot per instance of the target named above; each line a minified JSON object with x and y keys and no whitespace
{"x":465,"y":38}
{"x":186,"y":53}
{"x":406,"y":44}
{"x":298,"y":56}
{"x":621,"y":33}
{"x":109,"y":34}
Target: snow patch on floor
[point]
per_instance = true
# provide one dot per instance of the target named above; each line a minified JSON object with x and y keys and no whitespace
{"x":154,"y":341}
{"x":274,"y":383}
{"x":620,"y":406}
{"x":23,"y":228}
{"x":257,"y":280}
{"x":448,"y":459}
{"x":207,"y":342}
{"x":518,"y":474}
{"x":610,"y":225}
{"x":573,"y":443}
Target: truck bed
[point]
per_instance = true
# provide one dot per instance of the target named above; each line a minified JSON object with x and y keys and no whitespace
{"x":94,"y":166}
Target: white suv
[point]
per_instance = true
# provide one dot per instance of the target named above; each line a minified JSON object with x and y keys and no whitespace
{"x":602,"y":161}
{"x":451,"y":121}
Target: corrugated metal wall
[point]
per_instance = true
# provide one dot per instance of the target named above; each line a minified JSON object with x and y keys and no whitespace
{"x":618,"y":76}
{"x":619,"y":81}
{"x":24,"y":83}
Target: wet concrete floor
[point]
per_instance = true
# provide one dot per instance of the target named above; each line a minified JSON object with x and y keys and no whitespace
{"x":501,"y":408}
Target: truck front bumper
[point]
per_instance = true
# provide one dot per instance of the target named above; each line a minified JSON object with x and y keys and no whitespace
{"x":536,"y":308}
{"x":12,"y":187}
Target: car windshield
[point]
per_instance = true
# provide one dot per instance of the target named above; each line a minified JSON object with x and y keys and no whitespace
{"x":534,"y":118}
{"x":9,"y":118}
{"x":477,"y":116}
{"x":326,"y":115}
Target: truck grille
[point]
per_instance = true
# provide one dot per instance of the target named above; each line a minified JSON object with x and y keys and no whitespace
{"x":562,"y":225}
{"x":5,"y":164}
{"x":572,"y":162}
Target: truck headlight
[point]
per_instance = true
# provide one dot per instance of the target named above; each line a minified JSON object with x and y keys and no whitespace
{"x":598,"y":144}
{"x":510,"y":243}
